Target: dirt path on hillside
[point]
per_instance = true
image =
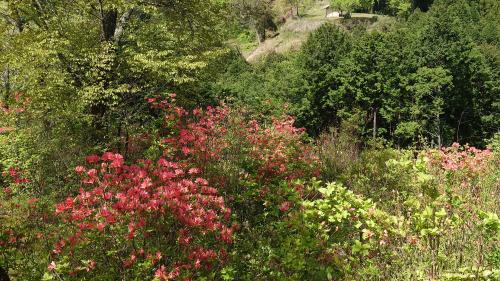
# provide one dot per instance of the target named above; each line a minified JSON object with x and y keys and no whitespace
{"x":294,"y":32}
{"x":291,"y":37}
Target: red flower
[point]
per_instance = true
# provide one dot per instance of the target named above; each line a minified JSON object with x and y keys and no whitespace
{"x":92,"y":159}
{"x":161,"y":273}
{"x":79,"y":169}
{"x":51,"y":266}
{"x":285,"y":206}
{"x":193,"y":171}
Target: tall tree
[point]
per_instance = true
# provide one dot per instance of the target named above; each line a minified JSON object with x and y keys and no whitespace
{"x":349,"y":5}
{"x":321,"y":53}
{"x":257,"y":14}
{"x":86,"y":68}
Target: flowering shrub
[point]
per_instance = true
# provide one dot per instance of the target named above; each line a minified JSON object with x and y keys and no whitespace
{"x":22,"y":221}
{"x":462,"y":167}
{"x":165,"y":215}
{"x":443,"y":198}
{"x":468,"y":158}
{"x":159,"y":215}
{"x":453,"y":189}
{"x":247,"y":160}
{"x":270,"y":153}
{"x":254,"y":166}
{"x":466,"y":181}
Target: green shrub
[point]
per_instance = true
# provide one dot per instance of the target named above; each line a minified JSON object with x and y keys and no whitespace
{"x":353,"y":234}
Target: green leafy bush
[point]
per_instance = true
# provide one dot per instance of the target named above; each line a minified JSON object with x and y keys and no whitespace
{"x":353,"y":234}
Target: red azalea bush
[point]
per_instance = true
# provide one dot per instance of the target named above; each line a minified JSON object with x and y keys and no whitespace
{"x":22,"y":217}
{"x":462,"y":168}
{"x":154,"y":215}
{"x":165,"y":215}
{"x":462,"y":158}
{"x":258,"y":167}
{"x":268,"y":153}
{"x":249,"y":161}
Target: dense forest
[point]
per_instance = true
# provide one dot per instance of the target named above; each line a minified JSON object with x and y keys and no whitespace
{"x":249,"y":140}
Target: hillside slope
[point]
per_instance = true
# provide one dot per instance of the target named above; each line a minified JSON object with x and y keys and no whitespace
{"x":294,"y":32}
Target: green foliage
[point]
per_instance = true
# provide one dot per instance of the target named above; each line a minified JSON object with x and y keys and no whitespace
{"x":84,"y":77}
{"x":86,"y":91}
{"x":350,"y":227}
{"x":400,"y":6}
{"x":349,"y":5}
{"x":321,"y":53}
{"x":494,"y":142}
{"x":269,"y":88}
{"x":445,"y":199}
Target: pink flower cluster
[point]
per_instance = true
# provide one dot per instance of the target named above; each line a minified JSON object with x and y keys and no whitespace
{"x":466,"y":158}
{"x":273,"y":153}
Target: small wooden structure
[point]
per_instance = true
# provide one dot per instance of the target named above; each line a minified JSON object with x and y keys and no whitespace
{"x":328,"y":9}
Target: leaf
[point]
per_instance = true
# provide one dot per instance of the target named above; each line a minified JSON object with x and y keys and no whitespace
{"x":47,"y":276}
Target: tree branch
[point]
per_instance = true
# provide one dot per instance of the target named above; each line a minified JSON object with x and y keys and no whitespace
{"x":120,"y":26}
{"x":8,"y":18}
{"x":14,"y":21}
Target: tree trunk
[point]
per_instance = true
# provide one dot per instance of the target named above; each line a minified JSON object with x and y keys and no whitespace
{"x":120,"y":27}
{"x":261,"y":34}
{"x":6,"y":85}
{"x":438,"y":133}
{"x":112,"y":30}
{"x":374,"y":123}
{"x":4,"y":276}
{"x":458,"y":127}
{"x":112,"y":27}
{"x":108,"y":24}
